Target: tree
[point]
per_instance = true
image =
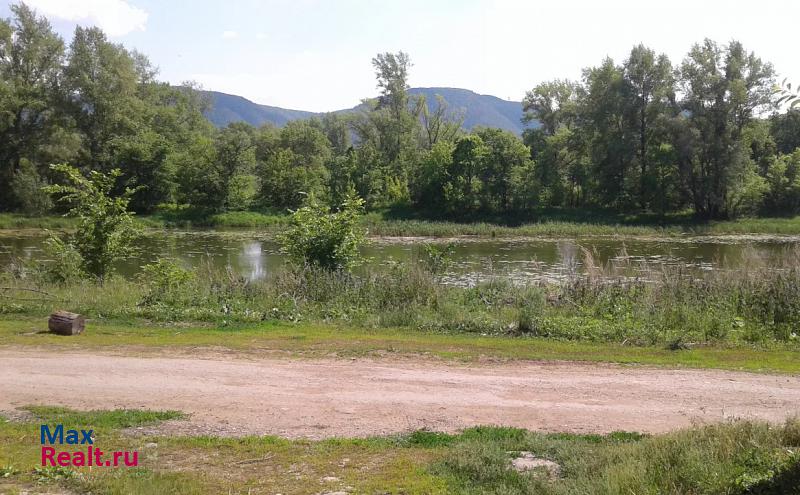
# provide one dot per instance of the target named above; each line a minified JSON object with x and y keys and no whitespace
{"x":552,"y":104}
{"x":785,"y":130}
{"x":605,"y":124}
{"x":106,"y":230}
{"x":322,"y":238}
{"x":293,"y":167}
{"x":27,"y":187}
{"x":432,"y":175}
{"x":464,"y":186}
{"x":200,"y":180}
{"x":440,"y":124}
{"x":31,"y":56}
{"x":236,"y":161}
{"x":396,"y":121}
{"x":783,"y":179}
{"x":723,"y":88}
{"x":651,"y":87}
{"x":557,"y":146}
{"x":102,"y":80}
{"x":505,"y":154}
{"x":391,"y":70}
{"x":336,"y":129}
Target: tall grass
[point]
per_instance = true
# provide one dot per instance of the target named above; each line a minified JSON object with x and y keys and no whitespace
{"x":384,"y":224}
{"x":735,"y":458}
{"x":620,"y":302}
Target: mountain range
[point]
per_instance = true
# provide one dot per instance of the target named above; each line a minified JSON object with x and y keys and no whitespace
{"x":478,"y":110}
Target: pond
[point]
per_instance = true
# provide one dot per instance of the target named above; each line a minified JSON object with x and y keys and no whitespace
{"x":254,"y":256}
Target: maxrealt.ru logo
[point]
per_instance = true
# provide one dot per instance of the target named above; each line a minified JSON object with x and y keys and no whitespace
{"x":91,"y":456}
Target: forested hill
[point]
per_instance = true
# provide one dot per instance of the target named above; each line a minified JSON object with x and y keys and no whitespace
{"x":478,"y":110}
{"x":225,"y":108}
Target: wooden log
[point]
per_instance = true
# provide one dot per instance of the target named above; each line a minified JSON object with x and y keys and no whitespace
{"x":66,"y":323}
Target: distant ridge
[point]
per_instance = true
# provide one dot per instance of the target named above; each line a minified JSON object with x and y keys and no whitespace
{"x":479,"y":110}
{"x":225,"y":108}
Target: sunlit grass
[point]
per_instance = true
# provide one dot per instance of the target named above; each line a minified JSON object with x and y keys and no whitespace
{"x":316,"y":340}
{"x":385,"y":224}
{"x":734,"y":457}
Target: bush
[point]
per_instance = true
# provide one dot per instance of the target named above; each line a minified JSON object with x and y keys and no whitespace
{"x":106,"y":230}
{"x":530,"y":317}
{"x":326,"y":239}
{"x":437,"y":257}
{"x":167,"y":283}
{"x":66,"y":265}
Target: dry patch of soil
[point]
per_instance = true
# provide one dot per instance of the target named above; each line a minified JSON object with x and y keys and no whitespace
{"x":229,"y":396}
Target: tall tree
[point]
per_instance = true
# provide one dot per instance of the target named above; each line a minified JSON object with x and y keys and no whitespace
{"x":723,"y":88}
{"x":605,"y":124}
{"x":556,"y":146}
{"x":464,"y":185}
{"x":552,"y":104}
{"x":649,"y":78}
{"x":31,"y":55}
{"x":505,"y":155}
{"x":439,"y":124}
{"x":397,"y":130}
{"x":102,"y":79}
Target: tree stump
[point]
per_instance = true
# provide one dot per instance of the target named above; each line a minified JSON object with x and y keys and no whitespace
{"x":66,"y":323}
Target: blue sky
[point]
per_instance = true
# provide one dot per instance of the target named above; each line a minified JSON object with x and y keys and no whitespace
{"x":315,"y":54}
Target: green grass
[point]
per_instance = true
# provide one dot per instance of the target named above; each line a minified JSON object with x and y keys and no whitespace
{"x":14,"y":221}
{"x":386,"y":223}
{"x":734,"y":458}
{"x":754,"y":307}
{"x":318,"y":340}
{"x":101,"y":420}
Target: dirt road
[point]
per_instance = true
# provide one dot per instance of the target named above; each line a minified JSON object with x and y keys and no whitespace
{"x":319,"y":398}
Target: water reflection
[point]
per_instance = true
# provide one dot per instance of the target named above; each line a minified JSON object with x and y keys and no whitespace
{"x":526,"y":260}
{"x":252,"y":261}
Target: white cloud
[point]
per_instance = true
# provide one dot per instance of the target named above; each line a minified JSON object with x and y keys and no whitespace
{"x":115,"y":17}
{"x":229,"y":35}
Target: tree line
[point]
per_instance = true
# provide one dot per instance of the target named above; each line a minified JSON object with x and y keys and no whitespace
{"x":644,"y":135}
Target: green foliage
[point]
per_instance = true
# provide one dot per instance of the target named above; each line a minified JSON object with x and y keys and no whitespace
{"x":636,"y":136}
{"x":167,"y":283}
{"x":106,"y":231}
{"x":66,"y":263}
{"x":30,"y":66}
{"x":319,"y":237}
{"x":438,"y":257}
{"x":8,"y":471}
{"x":292,"y":164}
{"x":27,"y":189}
{"x":787,"y":95}
{"x":54,"y":474}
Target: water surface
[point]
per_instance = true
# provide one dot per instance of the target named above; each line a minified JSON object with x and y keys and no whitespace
{"x":254,"y":256}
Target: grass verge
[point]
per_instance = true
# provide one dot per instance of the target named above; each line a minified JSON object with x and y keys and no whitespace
{"x":384,"y":223}
{"x":317,"y":340}
{"x":731,"y":458}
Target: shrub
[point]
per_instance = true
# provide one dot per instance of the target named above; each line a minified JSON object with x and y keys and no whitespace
{"x":167,"y":283}
{"x":319,"y":237}
{"x":66,"y":264}
{"x":106,"y":229}
{"x":531,"y":309}
{"x":437,"y":257}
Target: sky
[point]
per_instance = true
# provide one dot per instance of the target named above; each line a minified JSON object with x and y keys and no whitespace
{"x":315,"y":54}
